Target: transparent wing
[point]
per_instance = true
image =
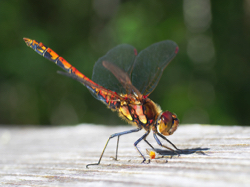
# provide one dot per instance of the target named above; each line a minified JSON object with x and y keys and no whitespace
{"x":123,"y":78}
{"x":150,"y":63}
{"x":144,"y":70}
{"x":122,"y":56}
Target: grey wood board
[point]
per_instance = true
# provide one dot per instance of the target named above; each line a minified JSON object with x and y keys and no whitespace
{"x":57,"y":156}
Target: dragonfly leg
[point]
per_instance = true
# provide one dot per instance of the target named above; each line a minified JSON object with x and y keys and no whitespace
{"x":116,"y":153}
{"x":149,"y":144}
{"x":140,"y":139}
{"x":163,"y":137}
{"x":159,"y":142}
{"x":110,"y":137}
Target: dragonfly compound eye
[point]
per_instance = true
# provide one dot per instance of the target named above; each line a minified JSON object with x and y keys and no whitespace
{"x":167,"y":123}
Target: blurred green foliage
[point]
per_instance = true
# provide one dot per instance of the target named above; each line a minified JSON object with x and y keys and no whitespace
{"x":207,"y":82}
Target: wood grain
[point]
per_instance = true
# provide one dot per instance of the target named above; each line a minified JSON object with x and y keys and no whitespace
{"x":57,"y":156}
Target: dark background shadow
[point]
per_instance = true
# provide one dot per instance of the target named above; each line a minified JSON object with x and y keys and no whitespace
{"x":208,"y":82}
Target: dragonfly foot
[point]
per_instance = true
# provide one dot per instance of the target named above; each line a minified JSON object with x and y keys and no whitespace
{"x":179,"y":151}
{"x":95,"y":164}
{"x":114,"y":158}
{"x":175,"y":153}
{"x":145,"y":161}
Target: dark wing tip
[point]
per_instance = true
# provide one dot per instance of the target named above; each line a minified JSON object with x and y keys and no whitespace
{"x":135,"y":52}
{"x":176,"y":50}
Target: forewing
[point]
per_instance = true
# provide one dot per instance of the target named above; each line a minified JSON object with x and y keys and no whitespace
{"x":150,"y":63}
{"x":122,"y":77}
{"x":123,"y":56}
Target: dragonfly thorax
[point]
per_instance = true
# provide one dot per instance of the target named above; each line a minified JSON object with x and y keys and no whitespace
{"x":142,"y":113}
{"x":167,"y":123}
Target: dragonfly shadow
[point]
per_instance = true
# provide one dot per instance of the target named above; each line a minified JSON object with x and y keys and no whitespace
{"x":197,"y":150}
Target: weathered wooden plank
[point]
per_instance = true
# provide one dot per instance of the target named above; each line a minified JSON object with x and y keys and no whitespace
{"x":57,"y":156}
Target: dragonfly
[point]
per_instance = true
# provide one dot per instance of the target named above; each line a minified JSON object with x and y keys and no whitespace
{"x":123,"y":79}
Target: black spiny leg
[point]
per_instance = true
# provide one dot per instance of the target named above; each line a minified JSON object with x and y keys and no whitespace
{"x":149,"y":143}
{"x":163,"y":137}
{"x":159,"y":142}
{"x":116,"y":152}
{"x":140,"y":139}
{"x":112,"y":136}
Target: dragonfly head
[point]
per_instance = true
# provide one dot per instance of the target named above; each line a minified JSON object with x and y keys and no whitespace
{"x":167,"y":123}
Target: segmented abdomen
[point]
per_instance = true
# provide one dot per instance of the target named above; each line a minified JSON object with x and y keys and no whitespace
{"x":108,"y":97}
{"x":51,"y":55}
